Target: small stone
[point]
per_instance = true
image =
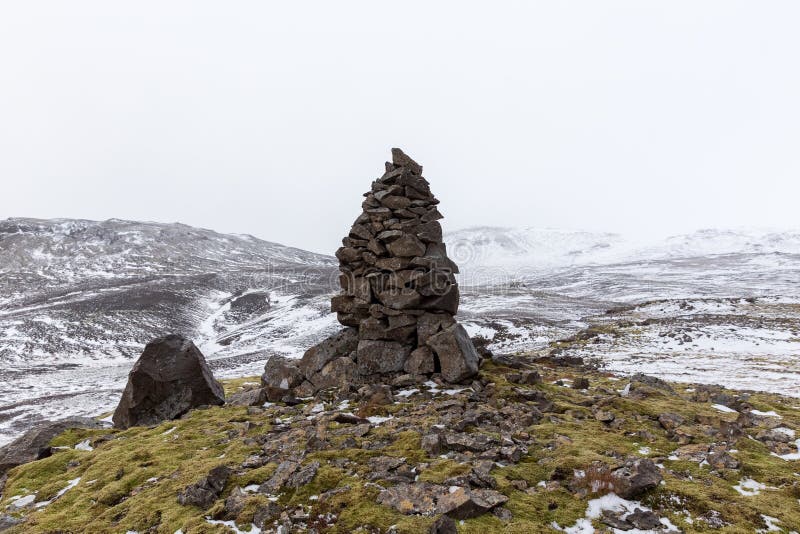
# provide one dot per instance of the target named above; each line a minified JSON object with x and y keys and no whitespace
{"x":645,"y":520}
{"x":303,"y":476}
{"x":462,"y":503}
{"x":444,"y":525}
{"x":581,"y":383}
{"x":635,"y":477}
{"x":503,"y":514}
{"x":604,"y":416}
{"x":279,"y":478}
{"x":251,"y":397}
{"x":432,"y":444}
{"x":204,"y":492}
{"x":670,"y":421}
{"x":235,"y":502}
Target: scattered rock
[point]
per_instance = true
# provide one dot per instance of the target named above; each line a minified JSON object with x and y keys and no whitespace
{"x":444,"y":525}
{"x":35,"y":443}
{"x":250,"y":397}
{"x":7,"y":521}
{"x":604,"y":416}
{"x":644,"y":520}
{"x":635,"y":477}
{"x":280,"y":372}
{"x":462,"y":503}
{"x":235,"y":503}
{"x":581,"y":383}
{"x":670,"y":421}
{"x":204,"y":492}
{"x":170,"y":378}
{"x":417,"y":498}
{"x":280,"y":477}
{"x":303,"y":476}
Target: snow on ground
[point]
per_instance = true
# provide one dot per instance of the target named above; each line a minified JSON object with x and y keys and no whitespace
{"x":613,"y":503}
{"x":749,"y":487}
{"x":79,"y":299}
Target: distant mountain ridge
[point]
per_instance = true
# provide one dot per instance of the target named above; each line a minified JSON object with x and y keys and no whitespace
{"x":487,"y":246}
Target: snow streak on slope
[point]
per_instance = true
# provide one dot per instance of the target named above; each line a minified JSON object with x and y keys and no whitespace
{"x":80,"y":299}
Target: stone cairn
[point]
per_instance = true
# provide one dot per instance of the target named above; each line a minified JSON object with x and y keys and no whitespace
{"x":399,"y":296}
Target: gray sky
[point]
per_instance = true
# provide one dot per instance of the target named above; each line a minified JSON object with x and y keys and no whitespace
{"x":272,"y":118}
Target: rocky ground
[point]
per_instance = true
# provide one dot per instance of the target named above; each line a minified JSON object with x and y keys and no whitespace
{"x":531,"y":445}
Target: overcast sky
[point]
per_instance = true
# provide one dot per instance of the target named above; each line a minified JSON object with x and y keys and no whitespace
{"x":272,"y":118}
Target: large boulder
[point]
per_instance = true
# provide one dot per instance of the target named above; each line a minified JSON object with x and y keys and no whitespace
{"x":170,"y":378}
{"x":280,"y":372}
{"x":456,"y":353}
{"x":35,"y":443}
{"x":339,"y":344}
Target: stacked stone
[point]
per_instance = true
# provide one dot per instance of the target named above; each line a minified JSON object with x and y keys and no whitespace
{"x":399,"y":296}
{"x":398,"y":284}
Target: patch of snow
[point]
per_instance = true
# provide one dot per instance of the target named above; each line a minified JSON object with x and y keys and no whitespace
{"x":170,"y":431}
{"x":723,"y":408}
{"x":71,"y":484}
{"x":772,"y":524}
{"x":232,"y":525}
{"x":84,"y":446}
{"x":406,"y":392}
{"x":749,"y":487}
{"x":21,"y":502}
{"x":792,"y":456}
{"x":770,"y":413}
{"x":613,"y":503}
{"x":377,"y":419}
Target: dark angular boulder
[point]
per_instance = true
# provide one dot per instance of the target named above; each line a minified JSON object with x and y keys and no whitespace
{"x":280,"y":372}
{"x":339,"y":344}
{"x":456,"y":353}
{"x":170,"y":378}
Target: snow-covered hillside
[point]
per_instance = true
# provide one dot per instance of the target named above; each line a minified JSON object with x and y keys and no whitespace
{"x":79,"y":299}
{"x":542,"y":248}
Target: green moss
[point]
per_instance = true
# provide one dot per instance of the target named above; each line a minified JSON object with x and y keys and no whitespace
{"x":131,"y":479}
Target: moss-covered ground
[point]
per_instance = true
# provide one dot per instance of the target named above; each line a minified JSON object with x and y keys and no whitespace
{"x":130,"y":479}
